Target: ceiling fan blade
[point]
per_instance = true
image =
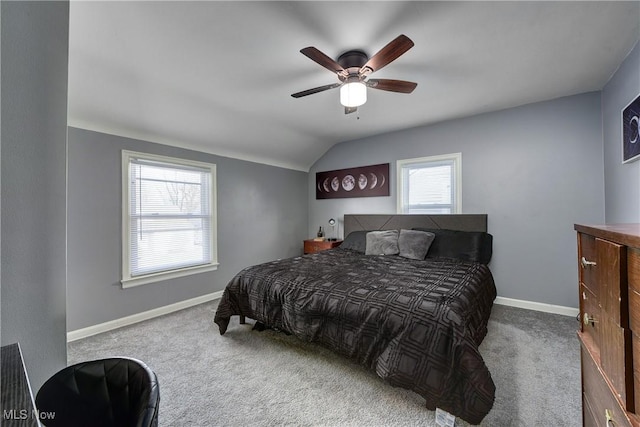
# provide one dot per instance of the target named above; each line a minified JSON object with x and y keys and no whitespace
{"x":315,"y":90}
{"x":349,"y":110}
{"x":322,"y":59}
{"x":400,"y":86}
{"x":390,"y":52}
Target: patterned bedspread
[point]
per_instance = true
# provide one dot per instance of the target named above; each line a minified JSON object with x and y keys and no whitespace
{"x":417,"y":324}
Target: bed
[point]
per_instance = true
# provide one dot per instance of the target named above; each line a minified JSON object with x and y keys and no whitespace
{"x":416,"y":322}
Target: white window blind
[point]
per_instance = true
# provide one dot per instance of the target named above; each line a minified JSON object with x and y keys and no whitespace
{"x":169,"y":220}
{"x":430,"y":185}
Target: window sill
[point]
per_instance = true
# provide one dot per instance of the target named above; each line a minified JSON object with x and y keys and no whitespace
{"x":166,"y":275}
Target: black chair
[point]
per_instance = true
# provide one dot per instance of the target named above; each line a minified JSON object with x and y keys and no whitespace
{"x":114,"y":392}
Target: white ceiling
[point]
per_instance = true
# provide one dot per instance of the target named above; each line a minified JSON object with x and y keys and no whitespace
{"x":217,"y":76}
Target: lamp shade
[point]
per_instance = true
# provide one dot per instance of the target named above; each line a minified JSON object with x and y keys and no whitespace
{"x":353,"y":94}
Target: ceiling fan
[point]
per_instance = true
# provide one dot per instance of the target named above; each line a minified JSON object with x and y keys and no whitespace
{"x":353,"y":68}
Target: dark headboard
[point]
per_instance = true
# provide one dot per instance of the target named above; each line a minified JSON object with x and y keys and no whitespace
{"x":463,"y":222}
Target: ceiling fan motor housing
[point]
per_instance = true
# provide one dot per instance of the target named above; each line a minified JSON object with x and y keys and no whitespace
{"x":353,"y":60}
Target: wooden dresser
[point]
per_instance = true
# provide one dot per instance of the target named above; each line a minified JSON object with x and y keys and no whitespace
{"x":609,"y":271}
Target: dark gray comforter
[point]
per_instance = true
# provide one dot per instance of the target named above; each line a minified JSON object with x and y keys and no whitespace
{"x":417,"y":324}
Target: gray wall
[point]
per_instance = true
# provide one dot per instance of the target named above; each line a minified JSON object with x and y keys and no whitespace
{"x":34,"y":45}
{"x":622,"y":181}
{"x":262,"y":215}
{"x":535,"y":170}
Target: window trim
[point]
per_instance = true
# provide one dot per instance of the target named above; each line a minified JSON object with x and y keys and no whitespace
{"x":457,"y":162}
{"x":127,"y":280}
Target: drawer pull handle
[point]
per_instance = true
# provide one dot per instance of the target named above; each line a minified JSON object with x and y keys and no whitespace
{"x":589,"y":320}
{"x":585,"y":263}
{"x":609,"y":417}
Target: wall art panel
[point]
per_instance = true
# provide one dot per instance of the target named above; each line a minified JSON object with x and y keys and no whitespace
{"x":364,"y":181}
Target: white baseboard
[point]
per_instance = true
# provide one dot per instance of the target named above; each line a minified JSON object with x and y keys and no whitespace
{"x":150,"y":314}
{"x":139,"y":317}
{"x":538,"y":306}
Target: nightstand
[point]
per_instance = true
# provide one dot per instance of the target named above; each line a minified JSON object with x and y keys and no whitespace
{"x":312,"y":246}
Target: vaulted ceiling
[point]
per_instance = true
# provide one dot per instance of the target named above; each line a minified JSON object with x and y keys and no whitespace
{"x":218,"y":76}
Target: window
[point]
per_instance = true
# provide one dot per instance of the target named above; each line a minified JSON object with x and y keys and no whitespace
{"x":430,"y":185}
{"x":169,"y":222}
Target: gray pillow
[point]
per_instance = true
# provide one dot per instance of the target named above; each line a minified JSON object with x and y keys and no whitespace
{"x":382,"y":242}
{"x":356,"y":241}
{"x":414,"y":244}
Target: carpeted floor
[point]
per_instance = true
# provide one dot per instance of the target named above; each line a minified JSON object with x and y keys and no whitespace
{"x":248,"y":378}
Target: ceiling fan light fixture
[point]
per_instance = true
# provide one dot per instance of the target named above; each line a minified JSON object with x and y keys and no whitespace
{"x":353,"y":94}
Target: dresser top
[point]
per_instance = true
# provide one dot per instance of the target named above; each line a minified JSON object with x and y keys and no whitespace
{"x":626,"y":234}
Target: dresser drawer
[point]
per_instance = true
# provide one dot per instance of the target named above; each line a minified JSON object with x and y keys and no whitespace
{"x":587,"y":262}
{"x":590,"y":316}
{"x":636,"y":369}
{"x":615,"y":360}
{"x":634,"y":311}
{"x":633,"y":268}
{"x":598,"y":394}
{"x":588,"y":416}
{"x":611,"y":274}
{"x":636,"y":384}
{"x":313,"y":246}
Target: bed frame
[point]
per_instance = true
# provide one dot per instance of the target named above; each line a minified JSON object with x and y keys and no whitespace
{"x":462,"y":222}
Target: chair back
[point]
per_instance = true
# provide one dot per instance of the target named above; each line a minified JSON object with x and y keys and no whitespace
{"x":113,"y":392}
